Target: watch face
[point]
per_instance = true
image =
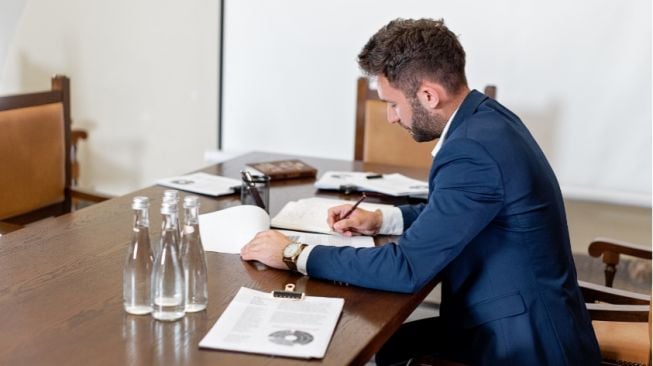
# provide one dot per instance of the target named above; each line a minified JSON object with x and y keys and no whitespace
{"x":290,"y":249}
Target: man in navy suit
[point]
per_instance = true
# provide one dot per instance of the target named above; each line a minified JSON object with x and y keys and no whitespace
{"x":494,"y":227}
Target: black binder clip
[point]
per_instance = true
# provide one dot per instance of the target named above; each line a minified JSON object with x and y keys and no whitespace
{"x":348,"y":188}
{"x":288,"y":293}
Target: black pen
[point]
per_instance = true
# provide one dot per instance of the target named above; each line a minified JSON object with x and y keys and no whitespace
{"x":346,"y":215}
{"x":252,"y":188}
{"x":374,"y":176}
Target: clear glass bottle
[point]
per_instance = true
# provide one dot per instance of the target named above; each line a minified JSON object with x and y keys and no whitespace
{"x":192,"y":258}
{"x":167,"y":275}
{"x":172,"y":195}
{"x":136,"y":283}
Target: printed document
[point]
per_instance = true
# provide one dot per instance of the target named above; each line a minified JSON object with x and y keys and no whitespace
{"x":203,"y":183}
{"x":256,"y":322}
{"x":228,"y":230}
{"x":391,"y":184}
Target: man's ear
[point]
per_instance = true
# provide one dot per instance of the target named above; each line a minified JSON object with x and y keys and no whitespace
{"x":430,"y":94}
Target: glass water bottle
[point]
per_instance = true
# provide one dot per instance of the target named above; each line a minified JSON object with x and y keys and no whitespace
{"x":172,"y":195}
{"x":137,"y":272}
{"x":168,"y":275}
{"x":193,"y":259}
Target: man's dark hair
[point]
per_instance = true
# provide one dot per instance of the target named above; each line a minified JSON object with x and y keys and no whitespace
{"x":407,"y":51}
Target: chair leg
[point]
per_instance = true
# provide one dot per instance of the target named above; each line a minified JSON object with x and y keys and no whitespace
{"x":610,"y":271}
{"x":611,"y":259}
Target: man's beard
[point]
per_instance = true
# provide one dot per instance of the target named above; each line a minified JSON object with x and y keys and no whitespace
{"x":425,"y":127}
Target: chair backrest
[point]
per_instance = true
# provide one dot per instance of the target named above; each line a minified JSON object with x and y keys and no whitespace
{"x":35,"y":154}
{"x":377,"y":141}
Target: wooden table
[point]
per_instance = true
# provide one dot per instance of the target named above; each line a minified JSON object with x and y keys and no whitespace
{"x":61,"y":289}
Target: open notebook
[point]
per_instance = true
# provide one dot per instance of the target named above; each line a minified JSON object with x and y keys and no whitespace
{"x":228,"y":230}
{"x":310,"y":214}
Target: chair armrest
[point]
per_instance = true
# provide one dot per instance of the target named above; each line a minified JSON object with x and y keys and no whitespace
{"x":88,"y":195}
{"x":599,"y":246}
{"x":619,"y":313}
{"x":6,"y":228}
{"x":593,"y":292}
{"x":77,"y":134}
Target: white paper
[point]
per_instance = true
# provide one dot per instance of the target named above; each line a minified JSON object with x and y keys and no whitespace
{"x":203,"y":183}
{"x":310,"y":214}
{"x":334,"y":180}
{"x":228,"y":230}
{"x":255,"y":322}
{"x":391,"y":184}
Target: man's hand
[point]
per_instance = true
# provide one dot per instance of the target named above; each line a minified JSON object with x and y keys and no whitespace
{"x":359,"y":222}
{"x":266,"y":247}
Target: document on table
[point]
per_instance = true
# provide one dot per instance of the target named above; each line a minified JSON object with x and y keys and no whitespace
{"x":203,"y":183}
{"x":391,"y":184}
{"x":228,"y":230}
{"x":256,"y":322}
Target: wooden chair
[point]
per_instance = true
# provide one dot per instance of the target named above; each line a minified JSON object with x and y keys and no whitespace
{"x":76,"y":136}
{"x":377,"y":141}
{"x":35,"y":156}
{"x":621,"y":319}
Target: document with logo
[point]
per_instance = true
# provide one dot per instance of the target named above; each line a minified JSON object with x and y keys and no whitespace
{"x":203,"y":183}
{"x":257,"y":322}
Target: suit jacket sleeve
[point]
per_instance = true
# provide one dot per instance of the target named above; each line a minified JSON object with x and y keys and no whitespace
{"x":467,"y":194}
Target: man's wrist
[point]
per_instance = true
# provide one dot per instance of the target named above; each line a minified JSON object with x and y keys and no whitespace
{"x":392,"y":221}
{"x":302,"y":260}
{"x":290,"y":254}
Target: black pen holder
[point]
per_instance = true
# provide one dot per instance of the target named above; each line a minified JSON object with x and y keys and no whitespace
{"x":259,"y":183}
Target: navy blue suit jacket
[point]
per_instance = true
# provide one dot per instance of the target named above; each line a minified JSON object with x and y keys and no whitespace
{"x":494,"y":228}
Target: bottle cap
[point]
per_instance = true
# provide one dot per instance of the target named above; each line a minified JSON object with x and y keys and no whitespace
{"x":169,"y":207}
{"x":170,"y":193}
{"x":140,"y":202}
{"x":191,"y":201}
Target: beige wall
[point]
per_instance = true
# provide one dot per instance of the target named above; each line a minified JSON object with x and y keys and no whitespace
{"x":144,"y":81}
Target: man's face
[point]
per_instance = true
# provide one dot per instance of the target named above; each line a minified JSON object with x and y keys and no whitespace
{"x":409,"y":113}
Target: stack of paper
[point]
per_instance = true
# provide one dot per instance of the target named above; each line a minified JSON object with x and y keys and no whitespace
{"x":391,"y":184}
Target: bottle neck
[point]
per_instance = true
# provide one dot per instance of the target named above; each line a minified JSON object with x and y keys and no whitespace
{"x":190,"y":216}
{"x":169,"y":222}
{"x":141,"y":218}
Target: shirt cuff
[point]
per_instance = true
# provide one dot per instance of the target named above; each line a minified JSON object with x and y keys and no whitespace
{"x":302,"y":260}
{"x":393,"y":221}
